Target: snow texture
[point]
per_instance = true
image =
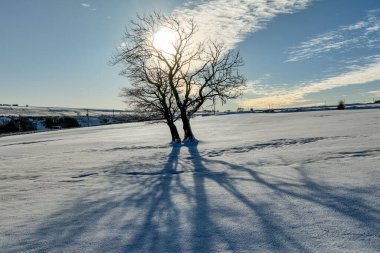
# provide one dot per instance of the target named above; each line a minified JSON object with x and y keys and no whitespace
{"x":288,"y":182}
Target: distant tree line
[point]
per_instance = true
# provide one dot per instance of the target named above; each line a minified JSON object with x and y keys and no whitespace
{"x":61,"y":122}
{"x":19,"y":124}
{"x":8,"y":104}
{"x":27,"y":124}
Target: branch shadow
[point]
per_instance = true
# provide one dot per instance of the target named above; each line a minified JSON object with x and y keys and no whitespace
{"x":146,"y":220}
{"x":278,"y":238}
{"x":344,"y":201}
{"x":172,"y":210}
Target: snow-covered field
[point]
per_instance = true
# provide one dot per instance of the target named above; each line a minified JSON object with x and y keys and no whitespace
{"x":289,"y":182}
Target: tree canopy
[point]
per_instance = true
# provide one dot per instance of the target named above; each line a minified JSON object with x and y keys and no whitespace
{"x":173,"y":72}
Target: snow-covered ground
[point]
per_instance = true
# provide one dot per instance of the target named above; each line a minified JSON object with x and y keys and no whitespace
{"x":289,"y":182}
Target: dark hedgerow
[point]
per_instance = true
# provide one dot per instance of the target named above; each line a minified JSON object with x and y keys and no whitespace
{"x":68,"y":122}
{"x":9,"y":127}
{"x":61,"y":122}
{"x":18,"y":125}
{"x":50,"y":122}
{"x":26,"y":125}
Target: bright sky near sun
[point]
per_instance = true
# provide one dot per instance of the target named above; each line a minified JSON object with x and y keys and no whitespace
{"x":296,"y":52}
{"x":165,"y":40}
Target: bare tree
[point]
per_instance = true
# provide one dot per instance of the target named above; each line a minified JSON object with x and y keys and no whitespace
{"x":185,"y":69}
{"x":153,"y":102}
{"x":149,"y":93}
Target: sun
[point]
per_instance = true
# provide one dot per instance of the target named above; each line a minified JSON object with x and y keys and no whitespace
{"x":164,"y":40}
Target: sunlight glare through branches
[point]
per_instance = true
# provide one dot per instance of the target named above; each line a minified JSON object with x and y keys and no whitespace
{"x":164,"y":40}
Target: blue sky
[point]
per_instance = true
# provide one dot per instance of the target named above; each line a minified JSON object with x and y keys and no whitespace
{"x":296,"y":52}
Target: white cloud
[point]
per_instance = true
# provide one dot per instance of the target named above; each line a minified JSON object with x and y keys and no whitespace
{"x":358,"y":25}
{"x":86,"y":5}
{"x":287,"y":98}
{"x":233,"y":20}
{"x":363,"y":34}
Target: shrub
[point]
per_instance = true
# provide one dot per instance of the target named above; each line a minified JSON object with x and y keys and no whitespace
{"x":26,"y":125}
{"x":50,"y":122}
{"x":341,"y":105}
{"x":9,"y":127}
{"x":18,"y":124}
{"x":62,"y":122}
{"x":68,"y":122}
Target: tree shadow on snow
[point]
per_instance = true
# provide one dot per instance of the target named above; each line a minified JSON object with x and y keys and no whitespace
{"x":275,"y":236}
{"x":165,"y":211}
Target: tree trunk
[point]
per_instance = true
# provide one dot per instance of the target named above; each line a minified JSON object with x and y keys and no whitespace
{"x":189,"y":136}
{"x":174,"y":132}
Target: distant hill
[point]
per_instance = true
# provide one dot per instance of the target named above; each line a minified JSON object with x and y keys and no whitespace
{"x":35,"y":111}
{"x":20,"y":119}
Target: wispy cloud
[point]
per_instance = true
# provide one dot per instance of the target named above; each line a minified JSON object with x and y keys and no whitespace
{"x":288,"y":97}
{"x":363,"y":34}
{"x":233,"y":20}
{"x":375,"y":93}
{"x":86,"y":5}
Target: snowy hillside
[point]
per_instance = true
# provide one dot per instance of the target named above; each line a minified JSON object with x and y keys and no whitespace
{"x":18,"y":119}
{"x":35,"y":111}
{"x":288,"y":182}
